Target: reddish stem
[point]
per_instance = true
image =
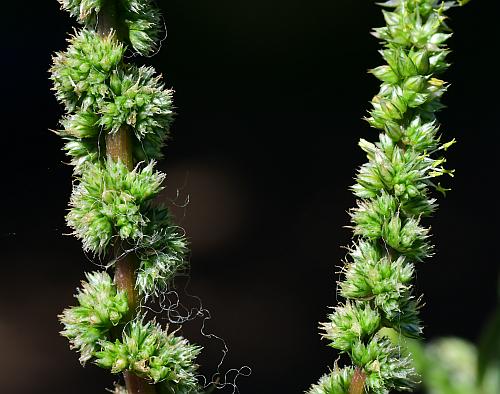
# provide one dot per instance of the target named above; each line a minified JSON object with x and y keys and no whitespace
{"x":137,"y":385}
{"x":358,"y":382}
{"x":119,"y":147}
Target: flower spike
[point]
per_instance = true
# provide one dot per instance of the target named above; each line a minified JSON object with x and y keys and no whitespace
{"x":394,"y":190}
{"x":117,"y":119}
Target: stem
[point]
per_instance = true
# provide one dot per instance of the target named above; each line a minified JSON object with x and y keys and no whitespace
{"x":106,"y":22}
{"x":124,"y":279}
{"x":358,"y":382}
{"x":119,"y":147}
{"x":137,"y":385}
{"x":106,"y":19}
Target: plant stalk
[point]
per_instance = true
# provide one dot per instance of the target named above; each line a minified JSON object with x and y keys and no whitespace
{"x":106,"y":19}
{"x":137,"y":385}
{"x":119,"y":147}
{"x":358,"y":382}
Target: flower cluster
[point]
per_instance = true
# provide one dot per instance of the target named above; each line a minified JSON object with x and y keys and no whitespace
{"x":102,"y":94}
{"x":100,"y":308}
{"x":148,"y":351}
{"x":138,"y":20}
{"x":381,"y":218}
{"x":140,"y":101}
{"x":83,"y":10}
{"x":351,"y":323}
{"x":117,"y":119}
{"x":109,"y":200}
{"x":144,"y":348}
{"x":383,"y":365}
{"x":161,"y":254}
{"x":337,"y":381}
{"x":144,"y":26}
{"x":394,"y":194}
{"x":371,"y":275}
{"x":81,"y":73}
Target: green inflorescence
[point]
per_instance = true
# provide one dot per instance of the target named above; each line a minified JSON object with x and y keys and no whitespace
{"x":161,"y":253}
{"x":144,"y":348}
{"x":102,"y":94}
{"x":140,"y":101}
{"x":140,"y":20}
{"x":109,"y":201}
{"x":150,"y":352}
{"x":337,"y":381}
{"x":394,"y":195}
{"x":112,"y":208}
{"x":101,"y":307}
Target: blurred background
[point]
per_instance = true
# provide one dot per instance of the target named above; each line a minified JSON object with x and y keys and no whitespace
{"x":270,"y":96}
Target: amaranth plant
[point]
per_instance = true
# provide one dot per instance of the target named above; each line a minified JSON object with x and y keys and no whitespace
{"x":393,"y":191}
{"x":117,"y":118}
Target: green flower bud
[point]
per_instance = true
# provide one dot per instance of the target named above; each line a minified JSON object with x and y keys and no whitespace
{"x":142,"y":103}
{"x":337,"y":381}
{"x":100,"y":308}
{"x":80,"y":73}
{"x":82,"y":9}
{"x":81,"y":151}
{"x":415,"y":83}
{"x":370,"y":216}
{"x":390,"y":110}
{"x":373,"y":276}
{"x":143,"y":22}
{"x":439,"y":38}
{"x":406,"y":67}
{"x":111,"y":200}
{"x":437,"y":62}
{"x":421,"y":60}
{"x":350,"y":323}
{"x":407,"y":237}
{"x":161,"y":253}
{"x":150,"y":352}
{"x":82,"y":124}
{"x":421,"y":137}
{"x":385,"y":368}
{"x":385,"y":74}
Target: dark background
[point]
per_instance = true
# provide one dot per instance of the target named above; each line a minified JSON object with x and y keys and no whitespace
{"x":270,"y":95}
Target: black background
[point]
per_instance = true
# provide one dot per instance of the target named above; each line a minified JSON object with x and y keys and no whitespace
{"x":270,"y":96}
